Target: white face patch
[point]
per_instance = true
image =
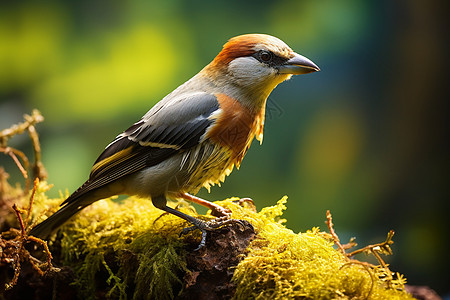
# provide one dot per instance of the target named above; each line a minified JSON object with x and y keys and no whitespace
{"x":248,"y":71}
{"x":256,"y":76}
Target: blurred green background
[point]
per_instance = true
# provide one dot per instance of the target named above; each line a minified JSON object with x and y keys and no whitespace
{"x":365,"y":137}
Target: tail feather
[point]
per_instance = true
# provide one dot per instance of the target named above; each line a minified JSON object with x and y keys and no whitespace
{"x":45,"y":228}
{"x":82,"y":197}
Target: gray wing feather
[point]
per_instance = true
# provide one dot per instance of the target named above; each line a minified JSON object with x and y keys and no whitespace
{"x":177,"y":122}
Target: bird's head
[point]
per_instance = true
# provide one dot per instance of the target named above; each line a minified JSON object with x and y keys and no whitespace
{"x":257,"y":63}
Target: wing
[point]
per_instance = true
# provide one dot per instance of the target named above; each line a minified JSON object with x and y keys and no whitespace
{"x":171,"y":126}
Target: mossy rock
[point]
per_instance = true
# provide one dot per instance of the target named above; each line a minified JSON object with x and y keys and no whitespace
{"x":131,"y":250}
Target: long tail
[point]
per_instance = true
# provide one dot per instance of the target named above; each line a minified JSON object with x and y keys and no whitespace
{"x":45,"y":228}
{"x":73,"y":204}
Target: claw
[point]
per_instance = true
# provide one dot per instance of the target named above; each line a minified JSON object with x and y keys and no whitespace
{"x":186,"y":230}
{"x":240,"y":223}
{"x":221,"y":212}
{"x":249,"y":202}
{"x":204,"y":226}
{"x":246,"y":200}
{"x":212,"y":225}
{"x":192,"y":228}
{"x":202,"y":241}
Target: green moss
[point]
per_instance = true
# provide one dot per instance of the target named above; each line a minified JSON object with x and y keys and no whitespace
{"x":139,"y":249}
{"x":284,"y":265}
{"x":160,"y":268}
{"x":108,"y":234}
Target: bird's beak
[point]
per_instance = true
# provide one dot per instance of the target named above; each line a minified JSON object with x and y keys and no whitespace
{"x":298,"y":65}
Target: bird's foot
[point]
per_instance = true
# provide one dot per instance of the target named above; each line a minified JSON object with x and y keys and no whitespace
{"x":220,"y":212}
{"x":207,"y":226}
{"x":246,"y":201}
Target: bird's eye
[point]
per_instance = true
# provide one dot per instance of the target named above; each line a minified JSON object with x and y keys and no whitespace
{"x":265,"y":56}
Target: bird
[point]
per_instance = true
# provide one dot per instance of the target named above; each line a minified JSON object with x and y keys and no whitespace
{"x":192,"y":138}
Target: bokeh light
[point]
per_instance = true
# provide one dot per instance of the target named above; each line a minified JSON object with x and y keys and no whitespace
{"x":365,"y":137}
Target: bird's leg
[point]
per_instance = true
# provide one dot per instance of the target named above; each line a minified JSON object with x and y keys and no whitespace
{"x":216,"y":210}
{"x":204,"y":226}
